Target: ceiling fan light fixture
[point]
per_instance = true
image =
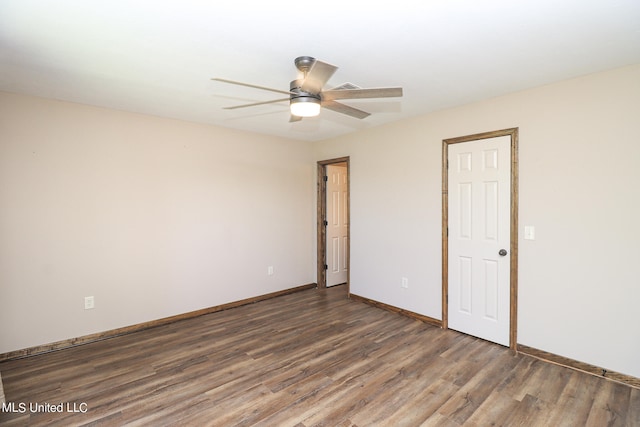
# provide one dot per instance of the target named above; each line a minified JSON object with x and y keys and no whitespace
{"x":305,"y":106}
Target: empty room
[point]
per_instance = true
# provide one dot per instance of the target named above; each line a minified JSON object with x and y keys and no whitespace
{"x":332,"y":214}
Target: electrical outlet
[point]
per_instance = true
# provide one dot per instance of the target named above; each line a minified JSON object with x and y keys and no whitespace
{"x":405,"y":283}
{"x":89,"y":303}
{"x":270,"y":270}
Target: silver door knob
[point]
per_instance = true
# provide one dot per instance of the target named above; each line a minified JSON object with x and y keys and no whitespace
{"x":502,"y":252}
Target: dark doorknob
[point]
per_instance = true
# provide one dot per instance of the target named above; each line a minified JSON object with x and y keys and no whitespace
{"x":502,"y":252}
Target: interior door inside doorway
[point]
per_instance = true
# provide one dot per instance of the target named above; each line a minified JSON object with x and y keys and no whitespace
{"x":479,"y":208}
{"x":337,"y":223}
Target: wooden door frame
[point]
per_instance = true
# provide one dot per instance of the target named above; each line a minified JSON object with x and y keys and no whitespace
{"x":321,"y":215}
{"x":513,"y":276}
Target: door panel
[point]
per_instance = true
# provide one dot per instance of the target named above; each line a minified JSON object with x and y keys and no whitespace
{"x":491,"y":289}
{"x":464,"y":265}
{"x":479,"y":179}
{"x":466,"y":208}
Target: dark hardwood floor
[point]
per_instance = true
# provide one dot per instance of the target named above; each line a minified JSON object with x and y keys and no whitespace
{"x":313,"y":358}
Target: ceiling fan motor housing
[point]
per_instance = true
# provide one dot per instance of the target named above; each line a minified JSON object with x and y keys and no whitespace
{"x":296,"y":92}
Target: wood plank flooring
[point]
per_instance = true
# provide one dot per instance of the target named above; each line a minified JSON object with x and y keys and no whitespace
{"x":313,"y":358}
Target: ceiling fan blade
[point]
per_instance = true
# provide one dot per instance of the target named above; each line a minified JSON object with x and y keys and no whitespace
{"x":384,"y":92}
{"x":250,"y":85}
{"x":256,"y":103}
{"x":318,"y":75}
{"x":345,"y":109}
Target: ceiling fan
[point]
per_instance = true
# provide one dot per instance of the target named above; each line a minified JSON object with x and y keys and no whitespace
{"x":306,"y":95}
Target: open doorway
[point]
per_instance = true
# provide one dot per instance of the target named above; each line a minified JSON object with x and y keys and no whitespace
{"x":333,"y":222}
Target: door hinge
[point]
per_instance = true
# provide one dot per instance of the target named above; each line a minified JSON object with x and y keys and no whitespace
{"x":326,"y":267}
{"x":325,"y":178}
{"x":325,"y":222}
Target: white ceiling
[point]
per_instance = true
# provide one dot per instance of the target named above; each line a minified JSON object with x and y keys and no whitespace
{"x":157,"y":57}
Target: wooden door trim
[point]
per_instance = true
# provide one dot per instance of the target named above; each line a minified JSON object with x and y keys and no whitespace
{"x":321,"y":210}
{"x":513,"y":277}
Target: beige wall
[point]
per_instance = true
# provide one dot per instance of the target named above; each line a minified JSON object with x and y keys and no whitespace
{"x":579,"y":284}
{"x":156,"y":217}
{"x":152,"y":217}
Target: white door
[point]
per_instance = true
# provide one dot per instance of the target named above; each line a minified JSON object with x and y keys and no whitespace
{"x":479,"y":185}
{"x":337,"y":224}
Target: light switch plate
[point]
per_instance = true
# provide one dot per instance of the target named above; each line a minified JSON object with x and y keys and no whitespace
{"x":529,"y":232}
